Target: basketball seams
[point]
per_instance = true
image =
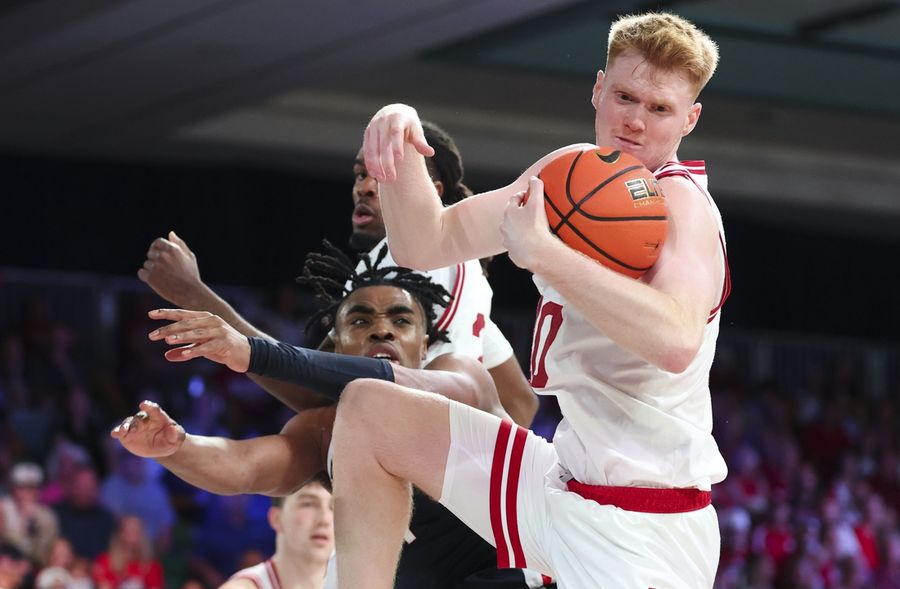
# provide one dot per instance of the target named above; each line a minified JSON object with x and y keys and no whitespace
{"x":576,"y":206}
{"x":566,"y":174}
{"x":604,"y":253}
{"x":563,"y":219}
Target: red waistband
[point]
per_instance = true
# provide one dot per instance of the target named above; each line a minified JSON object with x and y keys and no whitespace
{"x":644,"y":499}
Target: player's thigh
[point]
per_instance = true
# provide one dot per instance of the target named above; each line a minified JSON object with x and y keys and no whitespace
{"x":406,"y":430}
{"x":494,"y":482}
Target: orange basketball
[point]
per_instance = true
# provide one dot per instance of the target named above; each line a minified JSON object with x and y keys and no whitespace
{"x":607,"y":205}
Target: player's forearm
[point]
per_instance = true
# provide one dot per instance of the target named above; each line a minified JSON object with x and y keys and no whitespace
{"x":296,"y":397}
{"x":516,"y":394}
{"x":206,"y":299}
{"x":647,"y":322}
{"x":214,"y":464}
{"x":412,"y":213}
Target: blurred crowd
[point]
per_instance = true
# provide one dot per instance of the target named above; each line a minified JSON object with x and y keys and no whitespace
{"x":811,"y":501}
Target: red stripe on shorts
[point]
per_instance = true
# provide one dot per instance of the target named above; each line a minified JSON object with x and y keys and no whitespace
{"x":496,"y":493}
{"x":512,"y":488}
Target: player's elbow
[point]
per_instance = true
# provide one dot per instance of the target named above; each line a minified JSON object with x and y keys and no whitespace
{"x":418,"y":259}
{"x":678,"y":357}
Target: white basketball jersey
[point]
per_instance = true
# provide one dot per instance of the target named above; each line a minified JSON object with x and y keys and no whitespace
{"x":468,"y":313}
{"x":625,"y":421}
{"x":264,"y":575}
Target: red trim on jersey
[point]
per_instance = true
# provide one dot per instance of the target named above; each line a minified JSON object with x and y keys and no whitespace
{"x":496,"y":493}
{"x":447,"y":317}
{"x":644,"y":499}
{"x":546,"y":580}
{"x":272,"y":570}
{"x":512,"y":488}
{"x":685,"y":169}
{"x":726,"y":289}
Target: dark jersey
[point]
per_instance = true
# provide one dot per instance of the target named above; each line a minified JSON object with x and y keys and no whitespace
{"x":446,"y":554}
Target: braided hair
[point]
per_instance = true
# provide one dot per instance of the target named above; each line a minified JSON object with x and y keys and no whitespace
{"x":446,"y":165}
{"x":333,"y":276}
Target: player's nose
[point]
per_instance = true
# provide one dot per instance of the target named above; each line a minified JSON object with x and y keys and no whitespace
{"x":634,"y":121}
{"x":366,"y":187}
{"x":382,"y":330}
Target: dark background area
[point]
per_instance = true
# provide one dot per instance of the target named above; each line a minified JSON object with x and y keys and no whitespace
{"x":253,"y":226}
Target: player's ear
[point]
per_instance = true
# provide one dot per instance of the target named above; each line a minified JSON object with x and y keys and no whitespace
{"x":598,"y":86}
{"x":274,"y":517}
{"x":692,"y":118}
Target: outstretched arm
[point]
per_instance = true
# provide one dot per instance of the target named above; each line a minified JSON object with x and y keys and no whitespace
{"x":269,"y":465}
{"x":421,"y":233}
{"x":172,"y":271}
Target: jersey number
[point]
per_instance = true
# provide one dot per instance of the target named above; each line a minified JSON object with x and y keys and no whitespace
{"x":546,"y":326}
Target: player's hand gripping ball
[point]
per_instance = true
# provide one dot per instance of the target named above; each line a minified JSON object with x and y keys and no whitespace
{"x":607,"y":205}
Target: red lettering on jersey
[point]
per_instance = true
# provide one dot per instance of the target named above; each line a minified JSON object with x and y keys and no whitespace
{"x":478,"y":325}
{"x":541,"y":345}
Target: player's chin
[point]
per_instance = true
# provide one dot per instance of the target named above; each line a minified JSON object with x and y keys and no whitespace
{"x":364,"y":239}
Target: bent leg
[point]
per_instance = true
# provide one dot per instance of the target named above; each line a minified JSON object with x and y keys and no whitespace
{"x":385,"y":436}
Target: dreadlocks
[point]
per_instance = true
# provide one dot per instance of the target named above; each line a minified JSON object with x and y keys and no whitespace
{"x":330,"y":274}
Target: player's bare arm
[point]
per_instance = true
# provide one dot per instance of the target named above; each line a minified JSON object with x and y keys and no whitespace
{"x":200,"y":334}
{"x":456,"y":377}
{"x":269,"y":465}
{"x":172,"y":271}
{"x":421,"y":233}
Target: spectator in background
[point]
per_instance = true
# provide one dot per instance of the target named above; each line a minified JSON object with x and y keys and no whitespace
{"x":233,"y":525}
{"x":14,"y":567}
{"x":304,"y":541}
{"x":64,"y":460}
{"x":83,"y":521}
{"x":130,"y":489}
{"x":64,"y":569}
{"x":129,"y":562}
{"x":29,"y":526}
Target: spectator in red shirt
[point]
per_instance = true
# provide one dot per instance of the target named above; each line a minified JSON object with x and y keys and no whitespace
{"x":129,"y":562}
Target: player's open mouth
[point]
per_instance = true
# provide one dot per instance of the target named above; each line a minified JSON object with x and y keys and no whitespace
{"x":383,"y":353}
{"x":362,"y":215}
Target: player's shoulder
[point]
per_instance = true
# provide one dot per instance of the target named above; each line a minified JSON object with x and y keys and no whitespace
{"x":241,"y":580}
{"x":452,"y":362}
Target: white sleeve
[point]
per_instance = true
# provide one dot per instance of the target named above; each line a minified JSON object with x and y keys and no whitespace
{"x":497,"y":348}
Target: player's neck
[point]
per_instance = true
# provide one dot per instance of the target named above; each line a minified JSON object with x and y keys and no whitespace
{"x":299,"y":571}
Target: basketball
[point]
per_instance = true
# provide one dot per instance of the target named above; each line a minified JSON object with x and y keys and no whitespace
{"x":607,"y":205}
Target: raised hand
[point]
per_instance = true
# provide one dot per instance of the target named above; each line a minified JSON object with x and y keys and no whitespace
{"x":386,"y":137}
{"x":150,"y":432}
{"x":202,"y":334}
{"x":171,"y":270}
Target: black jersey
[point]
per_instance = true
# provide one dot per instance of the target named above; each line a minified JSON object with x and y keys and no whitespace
{"x":446,"y":554}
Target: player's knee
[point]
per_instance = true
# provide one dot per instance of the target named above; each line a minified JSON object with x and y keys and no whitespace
{"x":359,"y":399}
